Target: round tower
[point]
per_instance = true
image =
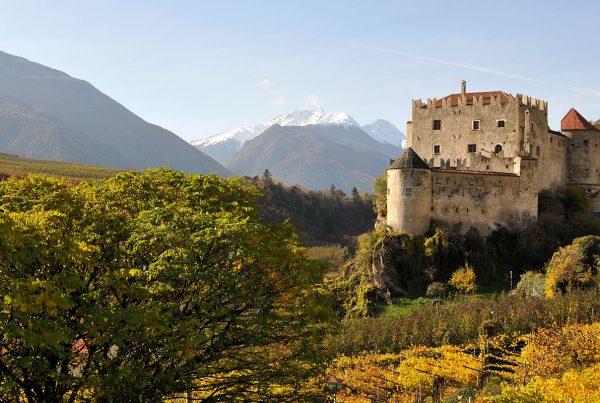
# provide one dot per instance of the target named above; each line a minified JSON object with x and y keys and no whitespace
{"x":409,"y":194}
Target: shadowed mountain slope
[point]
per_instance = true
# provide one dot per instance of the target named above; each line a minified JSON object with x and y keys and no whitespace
{"x":99,"y":129}
{"x":316,"y":156}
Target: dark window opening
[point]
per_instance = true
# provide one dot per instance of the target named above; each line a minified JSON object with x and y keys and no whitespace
{"x":476,"y":124}
{"x":436,"y":149}
{"x":537,"y":150}
{"x":437,"y":125}
{"x":472,"y":148}
{"x":408,"y":191}
{"x":501,"y":123}
{"x":498,"y":148}
{"x":586,"y":143}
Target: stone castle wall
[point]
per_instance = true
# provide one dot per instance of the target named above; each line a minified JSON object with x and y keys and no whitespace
{"x":524,"y":131}
{"x":583,"y":154}
{"x":490,"y":174}
{"x":482,"y":200}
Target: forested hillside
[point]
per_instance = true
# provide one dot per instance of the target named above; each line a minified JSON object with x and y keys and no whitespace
{"x":325,"y":216}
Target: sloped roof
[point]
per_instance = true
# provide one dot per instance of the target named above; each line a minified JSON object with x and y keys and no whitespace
{"x":409,"y":160}
{"x":452,"y":99}
{"x":574,"y":121}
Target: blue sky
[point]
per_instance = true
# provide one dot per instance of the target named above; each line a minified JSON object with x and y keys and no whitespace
{"x":200,"y":67}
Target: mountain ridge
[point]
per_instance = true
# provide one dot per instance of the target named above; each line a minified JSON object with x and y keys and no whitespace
{"x":222,"y":146}
{"x":83,"y":109}
{"x":316,"y":156}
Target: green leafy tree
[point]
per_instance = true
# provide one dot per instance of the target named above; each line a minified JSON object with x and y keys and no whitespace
{"x":435,"y":290}
{"x":380,"y":196}
{"x":355,"y":194}
{"x":148,"y":285}
{"x":573,"y":266}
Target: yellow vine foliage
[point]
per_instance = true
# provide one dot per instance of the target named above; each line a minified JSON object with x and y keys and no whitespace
{"x":576,"y":386}
{"x":406,"y":374}
{"x":553,"y":351}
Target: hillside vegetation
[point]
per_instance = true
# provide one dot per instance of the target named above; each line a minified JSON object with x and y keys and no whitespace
{"x":13,"y":165}
{"x":159,"y":285}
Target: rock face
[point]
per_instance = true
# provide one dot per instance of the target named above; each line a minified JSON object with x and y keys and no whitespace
{"x":48,"y":114}
{"x":396,"y":274}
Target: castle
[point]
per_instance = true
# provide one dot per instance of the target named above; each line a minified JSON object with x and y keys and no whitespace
{"x":480,"y":159}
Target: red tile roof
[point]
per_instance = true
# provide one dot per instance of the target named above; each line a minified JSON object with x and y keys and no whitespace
{"x":487,"y":98}
{"x":574,"y":121}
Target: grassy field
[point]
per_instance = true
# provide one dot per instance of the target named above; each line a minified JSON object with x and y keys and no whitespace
{"x":14,"y":165}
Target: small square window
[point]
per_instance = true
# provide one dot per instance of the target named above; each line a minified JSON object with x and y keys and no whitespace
{"x":436,"y":149}
{"x":501,"y":123}
{"x":472,"y":148}
{"x":476,"y":124}
{"x":437,"y":125}
{"x":586,"y":143}
{"x":408,"y":191}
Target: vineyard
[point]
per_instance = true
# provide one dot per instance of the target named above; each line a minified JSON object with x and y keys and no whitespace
{"x":13,"y":165}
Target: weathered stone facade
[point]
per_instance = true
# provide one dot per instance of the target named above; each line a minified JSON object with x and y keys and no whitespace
{"x":479,"y":159}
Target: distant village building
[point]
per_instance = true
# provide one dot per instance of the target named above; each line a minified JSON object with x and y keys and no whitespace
{"x":480,"y":159}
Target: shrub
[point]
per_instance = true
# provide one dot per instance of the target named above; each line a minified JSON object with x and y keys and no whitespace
{"x":573,"y":266}
{"x":532,"y":284}
{"x":464,"y":279}
{"x":436,"y":290}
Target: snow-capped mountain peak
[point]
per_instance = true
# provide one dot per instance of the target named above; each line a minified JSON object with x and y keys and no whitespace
{"x":315,"y":117}
{"x":385,"y":132}
{"x":296,"y":118}
{"x":222,"y":146}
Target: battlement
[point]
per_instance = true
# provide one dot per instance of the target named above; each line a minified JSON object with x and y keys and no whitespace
{"x":479,"y":98}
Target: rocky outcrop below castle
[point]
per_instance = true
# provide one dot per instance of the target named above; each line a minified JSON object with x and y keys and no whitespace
{"x":396,"y":271}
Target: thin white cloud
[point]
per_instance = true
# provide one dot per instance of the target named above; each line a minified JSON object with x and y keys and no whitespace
{"x":313,"y":101}
{"x":280,"y":101}
{"x":266,"y":84}
{"x":483,"y":69}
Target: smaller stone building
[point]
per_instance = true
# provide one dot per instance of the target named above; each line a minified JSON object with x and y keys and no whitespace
{"x":480,"y":159}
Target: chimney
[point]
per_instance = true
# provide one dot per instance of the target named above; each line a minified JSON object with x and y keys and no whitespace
{"x":463,"y":90}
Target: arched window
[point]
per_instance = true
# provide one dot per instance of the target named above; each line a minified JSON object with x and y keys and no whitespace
{"x":498,"y":148}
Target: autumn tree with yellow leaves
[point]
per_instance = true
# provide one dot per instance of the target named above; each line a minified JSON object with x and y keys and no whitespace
{"x":150,"y":285}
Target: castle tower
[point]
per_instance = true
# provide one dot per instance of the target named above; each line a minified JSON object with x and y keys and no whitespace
{"x":583,"y":156}
{"x":409,"y":194}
